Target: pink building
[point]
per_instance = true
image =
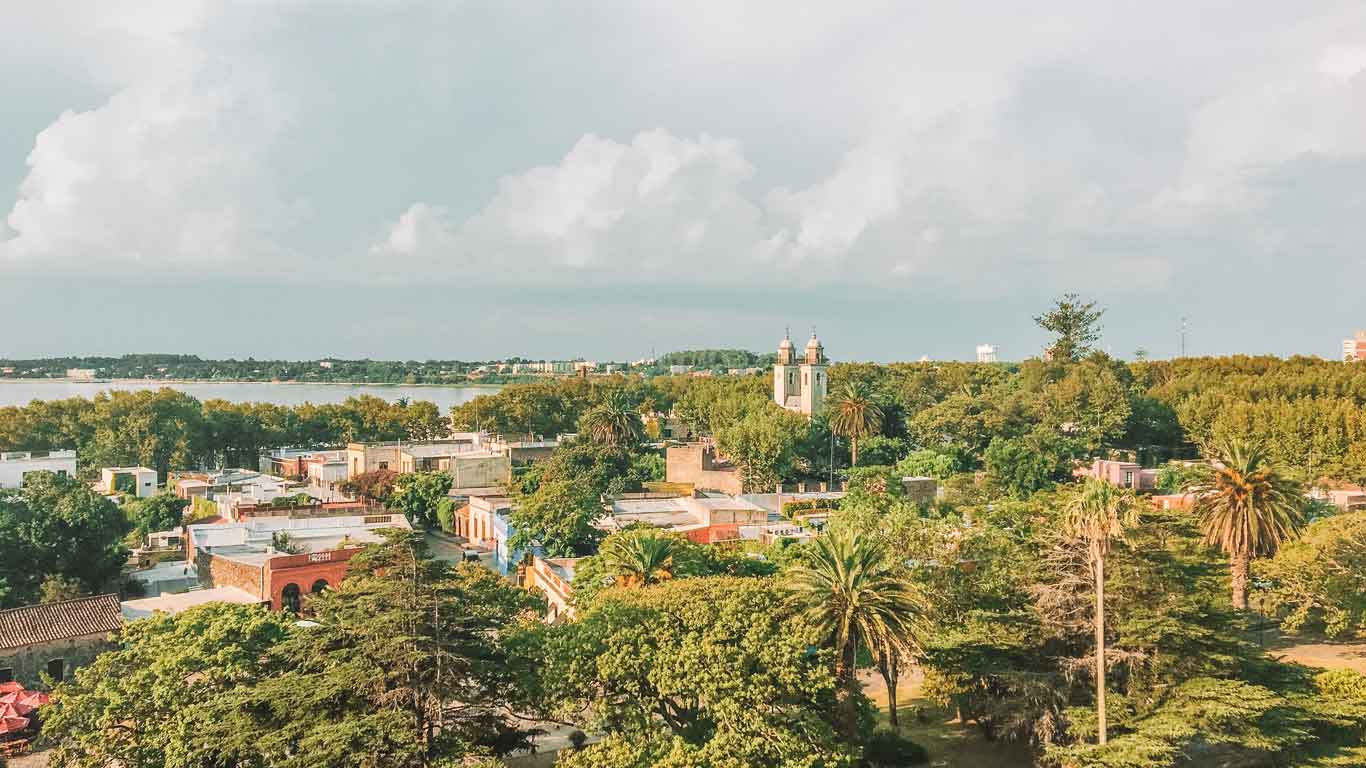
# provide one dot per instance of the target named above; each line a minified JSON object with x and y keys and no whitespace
{"x":1125,"y":474}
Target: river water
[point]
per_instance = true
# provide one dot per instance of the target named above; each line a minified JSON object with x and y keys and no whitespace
{"x":21,"y":391}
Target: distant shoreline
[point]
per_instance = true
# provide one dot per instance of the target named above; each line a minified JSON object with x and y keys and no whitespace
{"x":169,"y":382}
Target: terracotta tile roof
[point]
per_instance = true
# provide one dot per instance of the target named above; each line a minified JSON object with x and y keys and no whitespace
{"x":59,"y":621}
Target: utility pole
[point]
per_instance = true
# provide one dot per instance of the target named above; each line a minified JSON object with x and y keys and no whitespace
{"x":1183,"y":335}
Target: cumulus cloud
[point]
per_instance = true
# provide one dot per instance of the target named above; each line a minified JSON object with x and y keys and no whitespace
{"x":660,"y":205}
{"x":165,"y":174}
{"x":1128,"y":149}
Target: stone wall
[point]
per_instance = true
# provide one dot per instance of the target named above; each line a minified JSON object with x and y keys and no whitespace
{"x":218,"y":571}
{"x":29,"y":662}
{"x":696,"y":464}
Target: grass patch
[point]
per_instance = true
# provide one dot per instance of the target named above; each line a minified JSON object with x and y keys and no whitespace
{"x":952,"y":744}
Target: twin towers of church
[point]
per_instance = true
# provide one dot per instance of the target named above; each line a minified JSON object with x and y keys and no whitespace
{"x":801,"y":385}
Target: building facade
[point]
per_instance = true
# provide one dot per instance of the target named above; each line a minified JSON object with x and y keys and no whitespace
{"x":244,"y":555}
{"x":1354,"y":349}
{"x":800,"y":385}
{"x":986,"y":353}
{"x":697,"y":464}
{"x":15,"y":464}
{"x":134,"y":481}
{"x":56,"y":638}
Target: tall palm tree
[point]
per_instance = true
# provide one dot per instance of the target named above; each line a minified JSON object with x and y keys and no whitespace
{"x":856,"y":596}
{"x":1098,"y":515}
{"x":613,"y":422}
{"x":643,"y":556}
{"x":1248,"y":509}
{"x":854,"y":414}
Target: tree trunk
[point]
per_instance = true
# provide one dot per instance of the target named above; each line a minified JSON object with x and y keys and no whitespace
{"x":1100,"y":647}
{"x":853,"y":450}
{"x":847,"y":675}
{"x":1238,"y":580}
{"x":887,"y":666}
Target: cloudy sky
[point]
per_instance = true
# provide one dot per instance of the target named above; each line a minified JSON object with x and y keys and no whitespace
{"x":480,"y":179}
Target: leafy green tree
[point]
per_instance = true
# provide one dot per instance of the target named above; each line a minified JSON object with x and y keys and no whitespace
{"x":418,"y":494}
{"x":883,"y":450}
{"x":410,"y":663}
{"x":1024,"y":465}
{"x":1315,"y":581}
{"x":927,"y":462}
{"x":1075,"y":325}
{"x":695,"y":672}
{"x":1098,"y":515}
{"x":1089,"y":404}
{"x":161,"y":512}
{"x":855,"y":414}
{"x":162,"y":429}
{"x":133,"y":705}
{"x":58,"y":526}
{"x":558,"y":518}
{"x":57,"y":588}
{"x":850,"y":590}
{"x":613,"y":422}
{"x":1248,"y":509}
{"x":643,"y":556}
{"x":763,"y":445}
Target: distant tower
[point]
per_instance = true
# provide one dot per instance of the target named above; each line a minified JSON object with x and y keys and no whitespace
{"x":986,"y":353}
{"x":801,"y":386}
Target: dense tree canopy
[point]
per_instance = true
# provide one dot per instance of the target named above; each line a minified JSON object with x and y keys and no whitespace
{"x":58,"y":526}
{"x":696,"y":672}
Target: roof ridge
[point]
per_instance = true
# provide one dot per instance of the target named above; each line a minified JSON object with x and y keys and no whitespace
{"x":54,"y":604}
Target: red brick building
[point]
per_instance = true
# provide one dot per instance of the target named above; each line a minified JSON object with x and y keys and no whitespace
{"x":247,"y":554}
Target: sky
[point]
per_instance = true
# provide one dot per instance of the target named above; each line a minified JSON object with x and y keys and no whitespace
{"x":474,"y":180}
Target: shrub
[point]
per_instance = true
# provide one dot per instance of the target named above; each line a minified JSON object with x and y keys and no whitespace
{"x":887,"y":749}
{"x":578,"y":739}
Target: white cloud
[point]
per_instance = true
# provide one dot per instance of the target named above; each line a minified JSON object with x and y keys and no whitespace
{"x":658,"y":205}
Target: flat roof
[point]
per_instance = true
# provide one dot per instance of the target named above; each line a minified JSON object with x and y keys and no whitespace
{"x":175,"y":603}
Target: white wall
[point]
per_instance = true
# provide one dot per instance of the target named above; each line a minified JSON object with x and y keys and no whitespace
{"x":12,"y":471}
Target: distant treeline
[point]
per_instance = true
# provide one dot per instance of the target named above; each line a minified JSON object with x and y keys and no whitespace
{"x":193,"y":368}
{"x":167,"y":429}
{"x":1310,"y":413}
{"x":715,"y":358}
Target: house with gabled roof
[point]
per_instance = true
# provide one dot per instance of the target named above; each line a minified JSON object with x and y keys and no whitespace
{"x":55,"y":638}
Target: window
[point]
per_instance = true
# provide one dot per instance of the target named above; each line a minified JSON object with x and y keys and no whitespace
{"x":384,"y":465}
{"x":56,"y":669}
{"x":319,"y":586}
{"x":1129,"y":478}
{"x":289,"y":598}
{"x":6,"y":674}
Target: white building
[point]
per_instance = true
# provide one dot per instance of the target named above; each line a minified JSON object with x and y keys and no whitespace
{"x":801,"y":387}
{"x":15,"y":464}
{"x":986,"y":353}
{"x":139,"y":481}
{"x":1354,"y":349}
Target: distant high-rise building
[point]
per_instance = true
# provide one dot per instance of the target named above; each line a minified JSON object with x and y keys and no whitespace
{"x":986,"y":353}
{"x":1354,"y":349}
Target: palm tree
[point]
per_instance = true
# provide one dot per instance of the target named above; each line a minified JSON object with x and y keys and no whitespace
{"x":613,"y":422}
{"x":1248,"y":509}
{"x":855,"y":595}
{"x":644,"y":556}
{"x":1098,"y":515}
{"x":854,"y":414}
